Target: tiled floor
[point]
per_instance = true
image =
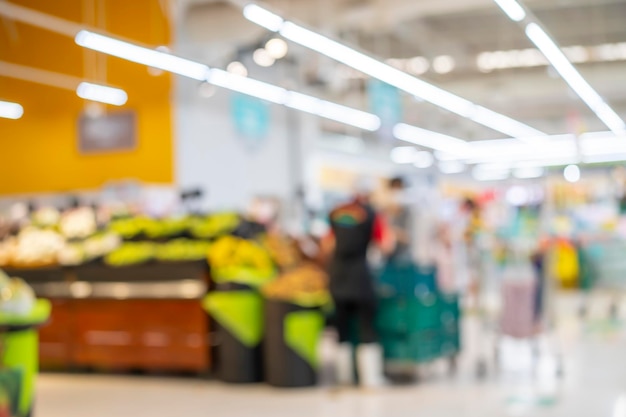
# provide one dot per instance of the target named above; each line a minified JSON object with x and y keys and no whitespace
{"x":593,"y":385}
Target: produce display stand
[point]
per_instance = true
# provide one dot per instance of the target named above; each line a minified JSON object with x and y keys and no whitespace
{"x":239,"y":329}
{"x":143,"y":317}
{"x":417,"y":324}
{"x":291,"y":339}
{"x":18,"y":334}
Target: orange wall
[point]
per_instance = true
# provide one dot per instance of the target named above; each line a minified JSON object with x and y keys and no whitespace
{"x":40,"y":151}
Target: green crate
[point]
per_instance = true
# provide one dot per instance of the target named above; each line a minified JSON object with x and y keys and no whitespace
{"x":450,"y":342}
{"x":424,"y":313}
{"x":396,"y":348}
{"x":392,"y":315}
{"x":425,"y":345}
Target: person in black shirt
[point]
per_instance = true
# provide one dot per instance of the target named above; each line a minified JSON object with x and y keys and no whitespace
{"x":354,"y":227}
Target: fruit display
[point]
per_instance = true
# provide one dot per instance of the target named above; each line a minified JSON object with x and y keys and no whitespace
{"x":233,"y":259}
{"x":212,"y":226}
{"x":78,"y":223}
{"x":282,"y":249}
{"x":46,"y":217}
{"x":182,"y":250}
{"x":163,"y":228}
{"x":72,"y":254}
{"x":101,"y":244}
{"x":131,"y":253}
{"x":128,"y":227}
{"x":306,"y":285}
{"x":32,"y":247}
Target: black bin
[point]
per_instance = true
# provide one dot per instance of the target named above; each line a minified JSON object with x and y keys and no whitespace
{"x":282,"y":365}
{"x":237,"y":363}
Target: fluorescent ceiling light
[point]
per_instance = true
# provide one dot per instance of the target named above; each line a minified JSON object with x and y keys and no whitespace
{"x":262,"y":58}
{"x":606,"y":158}
{"x":384,"y":72}
{"x":451,"y":167}
{"x":348,"y":115}
{"x":277,"y":48}
{"x":504,"y":124}
{"x":423,"y":159}
{"x":480,"y":173}
{"x":249,"y":86}
{"x":513,"y":9}
{"x":10,"y":110}
{"x":429,"y":139}
{"x":571,"y":173}
{"x":573,"y":78}
{"x":263,"y":17}
{"x":529,"y":172}
{"x":102,"y":94}
{"x":141,"y":55}
{"x":403,"y":154}
{"x":231,"y":81}
{"x":332,"y":111}
{"x":555,"y":162}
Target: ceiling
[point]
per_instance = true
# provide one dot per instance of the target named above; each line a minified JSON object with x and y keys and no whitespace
{"x":461,"y":29}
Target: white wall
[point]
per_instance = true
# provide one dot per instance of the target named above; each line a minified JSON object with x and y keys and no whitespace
{"x":210,"y":153}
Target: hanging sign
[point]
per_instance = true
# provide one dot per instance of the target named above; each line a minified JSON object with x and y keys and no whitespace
{"x":251,"y":116}
{"x":107,"y":133}
{"x":386,"y":103}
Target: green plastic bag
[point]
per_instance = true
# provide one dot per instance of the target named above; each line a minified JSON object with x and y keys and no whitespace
{"x":239,"y":312}
{"x":302,"y":330}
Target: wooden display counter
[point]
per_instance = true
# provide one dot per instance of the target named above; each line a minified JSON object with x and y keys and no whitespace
{"x":139,"y":318}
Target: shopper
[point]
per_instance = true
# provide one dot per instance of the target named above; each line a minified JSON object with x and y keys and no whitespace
{"x":399,"y":217}
{"x":354,"y":226}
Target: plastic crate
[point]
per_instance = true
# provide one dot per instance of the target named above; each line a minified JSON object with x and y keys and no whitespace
{"x":406,"y":279}
{"x":425,"y":346}
{"x":396,"y":348}
{"x":392,"y":315}
{"x":424,"y":313}
{"x":450,"y":342}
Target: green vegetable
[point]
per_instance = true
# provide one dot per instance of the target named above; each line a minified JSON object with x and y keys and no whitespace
{"x":182,"y":250}
{"x":214,"y":226}
{"x":131,"y":253}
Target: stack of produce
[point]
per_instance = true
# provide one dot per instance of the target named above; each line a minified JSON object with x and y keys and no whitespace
{"x":306,"y":285}
{"x":46,"y":217}
{"x":131,"y":253}
{"x":129,"y":227}
{"x":165,"y":228}
{"x":97,"y":246}
{"x":78,"y":223}
{"x":31,"y":248}
{"x":213,"y":226}
{"x":238,"y":260}
{"x":282,"y":249}
{"x":182,"y":250}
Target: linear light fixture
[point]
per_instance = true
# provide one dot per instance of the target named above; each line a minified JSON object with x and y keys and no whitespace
{"x":141,"y":55}
{"x":430,"y":139}
{"x":102,"y":94}
{"x":513,"y":9}
{"x":386,"y":73}
{"x":403,"y":154}
{"x":564,"y":67}
{"x":572,"y":77}
{"x":224,"y":79}
{"x":9,"y":110}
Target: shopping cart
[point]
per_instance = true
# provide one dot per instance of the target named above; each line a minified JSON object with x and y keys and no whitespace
{"x":417,"y":323}
{"x":602,"y":271}
{"x":524,"y":312}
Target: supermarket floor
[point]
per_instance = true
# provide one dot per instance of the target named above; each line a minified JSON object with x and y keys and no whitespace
{"x":593,"y":384}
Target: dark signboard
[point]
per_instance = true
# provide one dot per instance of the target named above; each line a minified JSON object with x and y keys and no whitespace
{"x":107,"y":133}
